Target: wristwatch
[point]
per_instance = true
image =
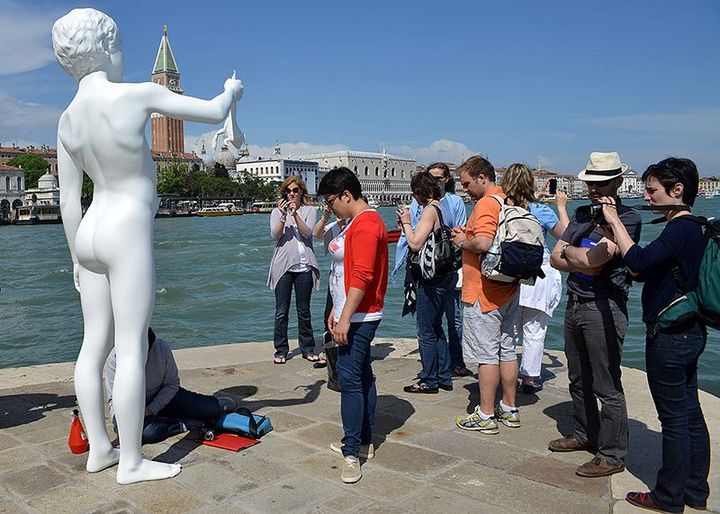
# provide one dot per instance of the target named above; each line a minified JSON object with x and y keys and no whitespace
{"x":562,"y":251}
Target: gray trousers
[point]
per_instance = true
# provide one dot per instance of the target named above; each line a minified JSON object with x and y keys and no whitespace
{"x":594,"y":335}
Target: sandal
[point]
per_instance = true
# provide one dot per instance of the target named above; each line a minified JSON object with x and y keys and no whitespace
{"x":321,"y":362}
{"x":279,"y":359}
{"x":311,"y":357}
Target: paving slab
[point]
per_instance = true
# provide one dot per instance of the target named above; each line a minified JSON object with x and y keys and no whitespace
{"x":423,"y":462}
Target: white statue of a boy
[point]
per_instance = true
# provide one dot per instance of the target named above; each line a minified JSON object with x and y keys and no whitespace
{"x":102,"y":133}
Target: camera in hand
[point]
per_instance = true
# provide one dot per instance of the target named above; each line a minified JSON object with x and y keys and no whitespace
{"x":284,"y":196}
{"x":552,"y":186}
{"x":596,"y":213}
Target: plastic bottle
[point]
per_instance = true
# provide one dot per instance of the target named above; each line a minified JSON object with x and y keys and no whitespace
{"x":77,"y":441}
{"x":491,"y":259}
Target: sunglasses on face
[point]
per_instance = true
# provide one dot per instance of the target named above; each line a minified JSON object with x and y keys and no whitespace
{"x":295,"y":190}
{"x":602,"y":183}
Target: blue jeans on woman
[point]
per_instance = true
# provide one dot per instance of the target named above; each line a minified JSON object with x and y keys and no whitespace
{"x":671,"y":363}
{"x":357,"y":382}
{"x":303,"y":284}
{"x":184,"y":407}
{"x":432,"y":300}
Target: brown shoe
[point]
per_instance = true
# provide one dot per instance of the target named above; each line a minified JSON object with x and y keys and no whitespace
{"x":568,"y":444}
{"x":598,"y":468}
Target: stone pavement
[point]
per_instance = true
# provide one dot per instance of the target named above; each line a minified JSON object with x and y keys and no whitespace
{"x":423,"y":463}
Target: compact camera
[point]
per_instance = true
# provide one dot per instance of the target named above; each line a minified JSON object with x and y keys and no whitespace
{"x":596,"y":214}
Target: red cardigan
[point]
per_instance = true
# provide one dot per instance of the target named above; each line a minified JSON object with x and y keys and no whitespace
{"x":366,"y":260}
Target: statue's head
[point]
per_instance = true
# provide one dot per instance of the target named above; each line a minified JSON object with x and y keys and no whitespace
{"x":86,"y":41}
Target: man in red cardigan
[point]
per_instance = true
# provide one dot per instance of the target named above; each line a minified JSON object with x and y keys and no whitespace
{"x":366,"y":273}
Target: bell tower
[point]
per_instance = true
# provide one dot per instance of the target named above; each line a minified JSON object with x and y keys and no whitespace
{"x":168,"y":135}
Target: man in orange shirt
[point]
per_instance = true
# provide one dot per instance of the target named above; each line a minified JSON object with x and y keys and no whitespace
{"x":491,"y":310}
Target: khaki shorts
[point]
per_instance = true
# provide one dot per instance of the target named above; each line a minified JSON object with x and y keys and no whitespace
{"x":492,"y":336}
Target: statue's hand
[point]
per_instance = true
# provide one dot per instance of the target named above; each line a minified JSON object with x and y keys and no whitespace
{"x":235,"y":87}
{"x":76,"y":276}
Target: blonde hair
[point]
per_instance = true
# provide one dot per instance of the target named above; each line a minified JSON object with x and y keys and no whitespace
{"x":301,"y":184}
{"x":518,"y":184}
{"x":83,"y":41}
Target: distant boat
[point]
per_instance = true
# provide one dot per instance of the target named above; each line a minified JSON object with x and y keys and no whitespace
{"x":262,"y":207}
{"x":222,"y":209}
{"x":711,"y":194}
{"x":38,"y":215}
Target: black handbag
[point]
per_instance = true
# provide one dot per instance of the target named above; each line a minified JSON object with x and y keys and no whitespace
{"x":438,"y":256}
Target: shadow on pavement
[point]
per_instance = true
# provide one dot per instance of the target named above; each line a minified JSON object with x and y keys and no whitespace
{"x":644,"y":457}
{"x":562,"y":414}
{"x":242,"y":394}
{"x":22,"y":409}
{"x":391,"y":413}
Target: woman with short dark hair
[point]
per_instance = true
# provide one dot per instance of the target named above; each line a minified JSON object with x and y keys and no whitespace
{"x":432,"y":295}
{"x":671,"y":355}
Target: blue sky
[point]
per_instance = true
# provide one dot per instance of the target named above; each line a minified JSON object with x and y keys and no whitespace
{"x":544,"y":82}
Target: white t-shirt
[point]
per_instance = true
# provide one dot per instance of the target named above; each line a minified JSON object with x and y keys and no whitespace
{"x":302,"y":266}
{"x":336,"y":250}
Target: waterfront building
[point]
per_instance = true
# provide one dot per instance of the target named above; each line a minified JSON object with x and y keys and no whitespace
{"x":47,"y":192}
{"x":168,"y":135}
{"x":384,"y":178}
{"x":279,"y":169}
{"x":12,"y":190}
{"x":46,"y":152}
{"x":709,"y":186}
{"x":632,"y":186}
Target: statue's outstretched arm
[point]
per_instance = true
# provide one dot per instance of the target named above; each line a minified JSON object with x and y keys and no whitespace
{"x":71,"y":179}
{"x":161,"y":100}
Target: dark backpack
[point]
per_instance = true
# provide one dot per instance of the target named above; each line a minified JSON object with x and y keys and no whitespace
{"x":438,"y":256}
{"x":704,"y":302}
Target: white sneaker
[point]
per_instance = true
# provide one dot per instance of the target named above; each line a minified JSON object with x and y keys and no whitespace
{"x":367,"y":451}
{"x":351,"y":471}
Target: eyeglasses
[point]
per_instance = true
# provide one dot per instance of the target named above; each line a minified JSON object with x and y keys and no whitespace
{"x":329,"y":201}
{"x":295,"y":190}
{"x":439,"y":178}
{"x":601,"y":183}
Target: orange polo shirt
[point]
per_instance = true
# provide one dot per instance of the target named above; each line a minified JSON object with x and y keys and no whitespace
{"x":483,"y":221}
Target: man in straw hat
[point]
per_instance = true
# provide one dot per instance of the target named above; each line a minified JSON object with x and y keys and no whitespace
{"x":596,"y":321}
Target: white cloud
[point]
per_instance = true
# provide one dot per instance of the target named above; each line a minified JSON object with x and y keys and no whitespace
{"x":440,"y":150}
{"x":693,"y":122}
{"x":545,"y":162}
{"x":25,"y":42}
{"x":21,"y":120}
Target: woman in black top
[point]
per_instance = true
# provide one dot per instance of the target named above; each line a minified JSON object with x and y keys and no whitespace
{"x":671,"y":356}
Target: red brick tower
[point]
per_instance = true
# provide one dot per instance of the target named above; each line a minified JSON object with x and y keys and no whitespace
{"x":168,"y":135}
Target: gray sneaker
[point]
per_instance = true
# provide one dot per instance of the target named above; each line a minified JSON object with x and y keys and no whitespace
{"x":367,"y":451}
{"x":476,"y":423}
{"x":509,"y":419}
{"x":227,"y":404}
{"x":351,"y":471}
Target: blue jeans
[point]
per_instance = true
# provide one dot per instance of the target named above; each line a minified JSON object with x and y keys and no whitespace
{"x":454,"y":317}
{"x":185,"y":405}
{"x":303,"y":284}
{"x":432,"y":301}
{"x":671,"y":362}
{"x":359,"y":395}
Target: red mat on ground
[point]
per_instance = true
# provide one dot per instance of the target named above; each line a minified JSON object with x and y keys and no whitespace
{"x":231,"y":442}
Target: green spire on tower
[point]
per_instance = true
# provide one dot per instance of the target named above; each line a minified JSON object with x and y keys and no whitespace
{"x":165,"y":60}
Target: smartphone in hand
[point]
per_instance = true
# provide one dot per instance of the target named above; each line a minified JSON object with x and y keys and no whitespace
{"x":552,"y":186}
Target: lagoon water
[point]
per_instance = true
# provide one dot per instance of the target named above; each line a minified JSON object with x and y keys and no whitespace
{"x":211,"y":275}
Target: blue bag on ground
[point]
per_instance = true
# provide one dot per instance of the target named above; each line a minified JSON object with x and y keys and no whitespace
{"x":245,"y":423}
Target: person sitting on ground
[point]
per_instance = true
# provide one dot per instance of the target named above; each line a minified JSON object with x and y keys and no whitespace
{"x":169,"y":409}
{"x":433,"y":295}
{"x":671,"y":355}
{"x":537,"y":301}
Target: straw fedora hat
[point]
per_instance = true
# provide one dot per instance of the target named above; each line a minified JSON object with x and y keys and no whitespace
{"x":602,"y":166}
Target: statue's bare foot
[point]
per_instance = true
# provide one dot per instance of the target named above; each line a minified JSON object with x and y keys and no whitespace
{"x":99,"y":460}
{"x":147,"y":470}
